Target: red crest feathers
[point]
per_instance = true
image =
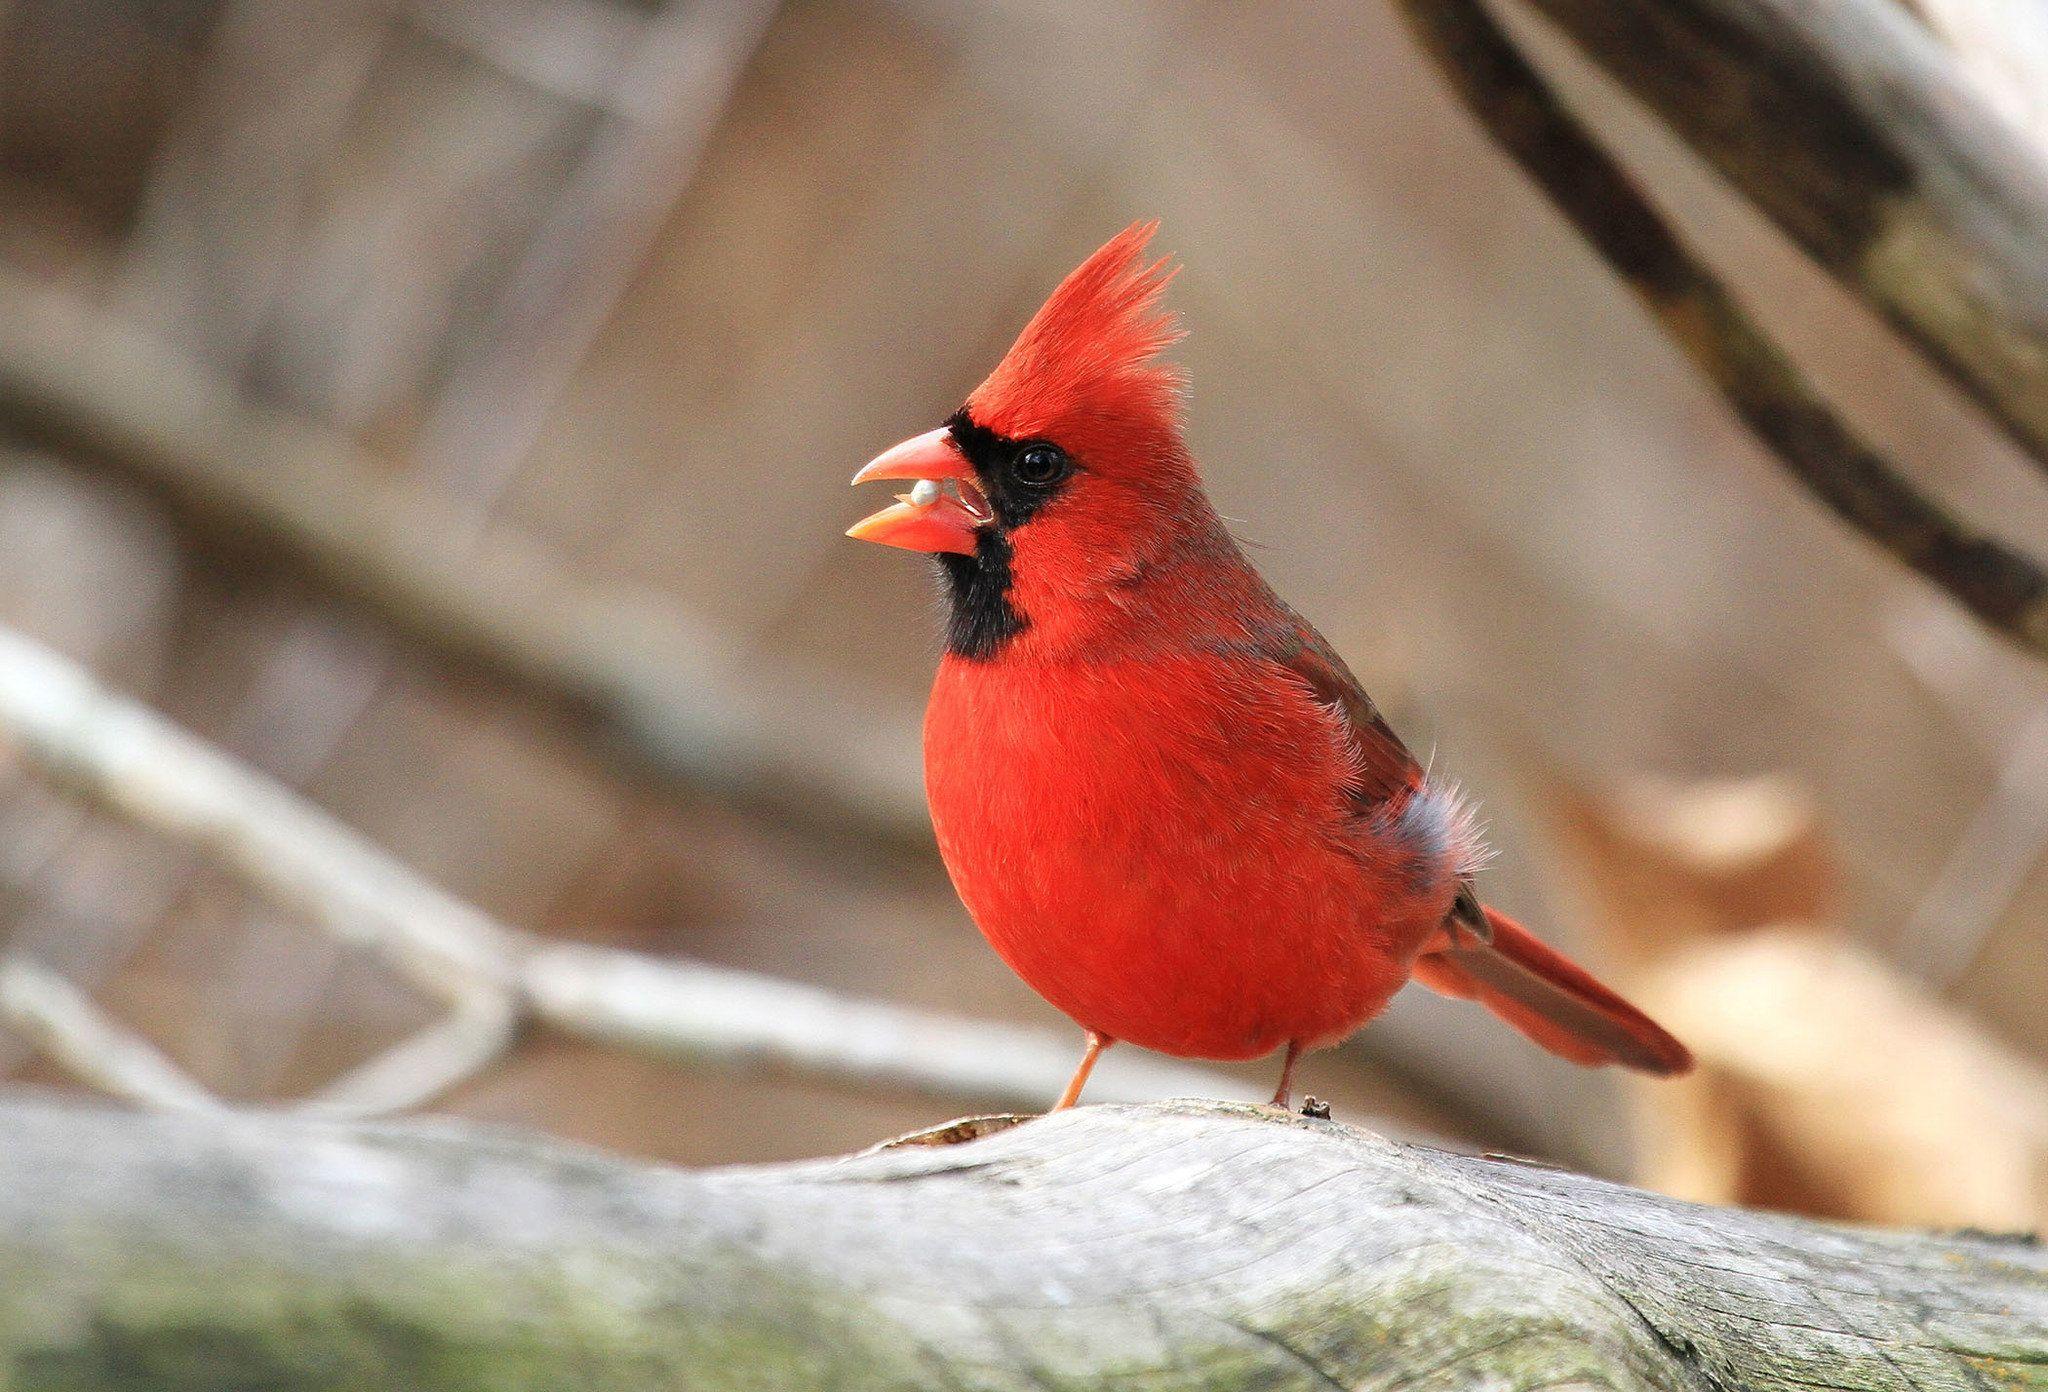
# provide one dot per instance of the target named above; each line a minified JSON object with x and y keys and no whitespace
{"x":1089,"y":357}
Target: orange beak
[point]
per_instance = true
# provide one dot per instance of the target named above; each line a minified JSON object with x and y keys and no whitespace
{"x":929,"y":517}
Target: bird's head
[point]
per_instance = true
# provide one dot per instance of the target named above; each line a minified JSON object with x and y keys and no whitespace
{"x":1066,"y":468}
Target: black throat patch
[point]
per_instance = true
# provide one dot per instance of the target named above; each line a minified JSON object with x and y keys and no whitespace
{"x":982,"y":617}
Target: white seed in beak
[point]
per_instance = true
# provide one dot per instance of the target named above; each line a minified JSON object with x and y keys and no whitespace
{"x":924,"y":493}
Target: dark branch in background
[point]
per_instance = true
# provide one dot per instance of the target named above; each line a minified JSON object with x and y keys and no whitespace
{"x":1178,"y":1245}
{"x":669,"y":700}
{"x":2003,"y":586}
{"x":1850,"y":125}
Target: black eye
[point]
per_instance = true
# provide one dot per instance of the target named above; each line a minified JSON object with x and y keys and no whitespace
{"x":1042,"y":464}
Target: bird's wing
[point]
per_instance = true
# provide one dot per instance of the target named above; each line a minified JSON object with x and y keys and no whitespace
{"x":1388,"y":773}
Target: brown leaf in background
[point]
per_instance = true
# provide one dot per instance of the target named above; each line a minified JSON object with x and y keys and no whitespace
{"x":1829,"y":1082}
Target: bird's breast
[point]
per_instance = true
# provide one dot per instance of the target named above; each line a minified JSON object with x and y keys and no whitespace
{"x":1088,"y":759}
{"x":1163,"y":848}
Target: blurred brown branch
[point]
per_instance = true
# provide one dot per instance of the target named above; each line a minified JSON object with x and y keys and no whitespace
{"x":243,"y":479}
{"x":1864,"y":139}
{"x":686,"y":58}
{"x":120,"y":757}
{"x":2002,"y":585}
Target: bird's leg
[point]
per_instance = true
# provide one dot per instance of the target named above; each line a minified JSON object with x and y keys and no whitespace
{"x":1096,"y":1044}
{"x":1283,"y":1096}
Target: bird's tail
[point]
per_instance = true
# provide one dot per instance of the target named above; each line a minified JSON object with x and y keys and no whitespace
{"x":1548,"y":997}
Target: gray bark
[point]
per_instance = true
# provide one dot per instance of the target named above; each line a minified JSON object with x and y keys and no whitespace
{"x":1182,"y":1245}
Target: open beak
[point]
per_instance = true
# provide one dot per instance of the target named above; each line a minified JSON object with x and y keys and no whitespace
{"x":944,"y":507}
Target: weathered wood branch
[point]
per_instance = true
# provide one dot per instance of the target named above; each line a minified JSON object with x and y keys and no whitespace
{"x":2002,"y":585}
{"x":1853,"y":128}
{"x":1182,"y":1245}
{"x":668,"y":698}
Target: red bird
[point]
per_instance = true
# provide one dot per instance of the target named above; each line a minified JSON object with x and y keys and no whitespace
{"x":1161,"y":794}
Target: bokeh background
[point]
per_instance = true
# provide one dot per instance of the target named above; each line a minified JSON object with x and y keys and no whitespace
{"x":633,"y":287}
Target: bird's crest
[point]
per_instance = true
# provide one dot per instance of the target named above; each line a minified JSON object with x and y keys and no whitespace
{"x":1091,"y":352}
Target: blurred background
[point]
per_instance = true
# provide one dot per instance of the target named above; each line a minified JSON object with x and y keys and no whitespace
{"x":445,"y":411}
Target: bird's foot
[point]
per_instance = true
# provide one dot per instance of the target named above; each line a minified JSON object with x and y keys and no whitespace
{"x":1283,"y":1096}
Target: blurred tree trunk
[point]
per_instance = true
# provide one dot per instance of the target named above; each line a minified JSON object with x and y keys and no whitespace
{"x":1987,"y":295}
{"x":1866,"y":140}
{"x":1207,"y":1245}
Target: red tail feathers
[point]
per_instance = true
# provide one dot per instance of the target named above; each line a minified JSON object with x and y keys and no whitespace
{"x":1550,"y":998}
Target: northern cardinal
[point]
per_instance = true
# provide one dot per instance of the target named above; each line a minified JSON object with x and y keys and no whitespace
{"x":1160,"y":793}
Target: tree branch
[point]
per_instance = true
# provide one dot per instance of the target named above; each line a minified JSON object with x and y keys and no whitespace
{"x":72,"y":1032}
{"x":671,"y":700}
{"x":1178,"y":1245}
{"x":2001,"y":585}
{"x":1853,"y":128}
{"x":124,"y":759}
